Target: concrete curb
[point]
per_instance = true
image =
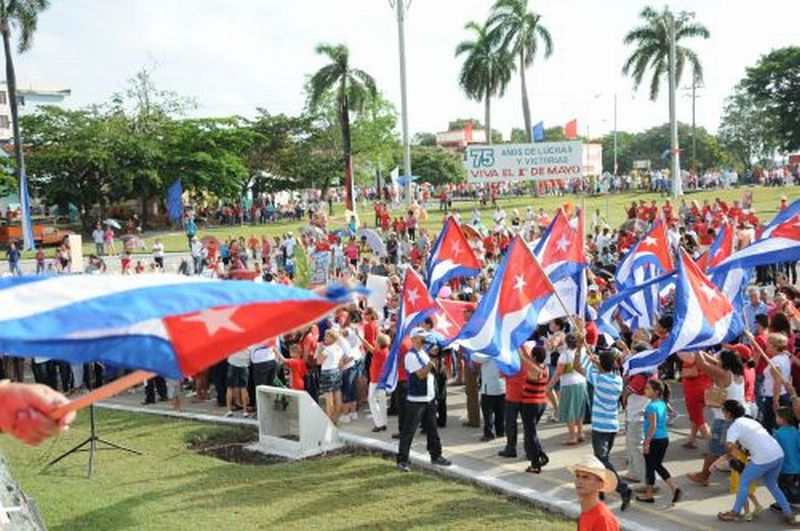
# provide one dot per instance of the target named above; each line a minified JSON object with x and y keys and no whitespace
{"x":541,"y":500}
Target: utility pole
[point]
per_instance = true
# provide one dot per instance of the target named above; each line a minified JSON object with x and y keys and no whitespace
{"x":402,"y":7}
{"x":673,"y":122}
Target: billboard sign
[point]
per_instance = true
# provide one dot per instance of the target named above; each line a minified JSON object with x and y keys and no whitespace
{"x":524,"y":162}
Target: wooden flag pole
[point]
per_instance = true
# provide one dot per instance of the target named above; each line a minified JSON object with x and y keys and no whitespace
{"x":101,"y":393}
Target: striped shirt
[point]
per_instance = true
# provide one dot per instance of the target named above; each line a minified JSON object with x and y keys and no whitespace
{"x":607,"y":390}
{"x":533,"y":391}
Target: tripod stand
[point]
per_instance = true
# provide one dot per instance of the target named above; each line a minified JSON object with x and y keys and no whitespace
{"x":92,"y":441}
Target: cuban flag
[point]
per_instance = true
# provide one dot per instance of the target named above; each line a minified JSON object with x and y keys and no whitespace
{"x":450,"y":317}
{"x":782,"y":245}
{"x":507,"y":315}
{"x":416,"y":304}
{"x":703,"y":318}
{"x":621,"y":306}
{"x":560,"y":252}
{"x":169,"y":324}
{"x":721,"y":248}
{"x":648,"y":259}
{"x":781,"y":217}
{"x":451,"y":257}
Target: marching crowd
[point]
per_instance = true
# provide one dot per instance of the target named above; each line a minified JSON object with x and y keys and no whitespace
{"x":742,"y":398}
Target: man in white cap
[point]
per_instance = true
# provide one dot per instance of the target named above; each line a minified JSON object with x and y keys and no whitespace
{"x":420,"y":403}
{"x":592,"y":478}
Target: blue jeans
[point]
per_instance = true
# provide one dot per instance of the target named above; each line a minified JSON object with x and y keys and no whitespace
{"x":768,"y":473}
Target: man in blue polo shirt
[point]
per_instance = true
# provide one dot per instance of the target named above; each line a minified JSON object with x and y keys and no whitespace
{"x":420,"y":403}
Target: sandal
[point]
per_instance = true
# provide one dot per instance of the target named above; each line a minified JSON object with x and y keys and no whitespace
{"x":645,"y":500}
{"x":729,"y":516}
{"x":690,"y":444}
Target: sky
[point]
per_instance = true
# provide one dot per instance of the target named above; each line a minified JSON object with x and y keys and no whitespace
{"x":233,"y":56}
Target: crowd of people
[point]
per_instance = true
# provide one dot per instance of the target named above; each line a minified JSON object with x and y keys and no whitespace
{"x":741,"y":398}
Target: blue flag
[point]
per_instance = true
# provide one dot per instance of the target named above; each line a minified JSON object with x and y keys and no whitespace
{"x":538,"y":132}
{"x":175,"y":201}
{"x":25,"y":207}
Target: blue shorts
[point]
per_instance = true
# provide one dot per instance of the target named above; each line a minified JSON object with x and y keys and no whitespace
{"x":719,"y":430}
{"x":350,"y":384}
{"x":330,"y":381}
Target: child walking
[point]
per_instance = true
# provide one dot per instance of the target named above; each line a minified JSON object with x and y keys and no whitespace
{"x":656,"y":441}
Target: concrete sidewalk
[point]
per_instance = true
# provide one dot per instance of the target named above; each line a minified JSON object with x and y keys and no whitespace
{"x":478,"y":461}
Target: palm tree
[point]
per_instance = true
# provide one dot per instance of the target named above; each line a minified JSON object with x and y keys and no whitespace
{"x":521,"y":34}
{"x":353,"y":87}
{"x":23,"y":15}
{"x":652,"y":49}
{"x":486,"y":70}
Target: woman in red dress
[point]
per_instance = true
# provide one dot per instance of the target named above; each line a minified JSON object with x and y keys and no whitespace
{"x":695,"y":382}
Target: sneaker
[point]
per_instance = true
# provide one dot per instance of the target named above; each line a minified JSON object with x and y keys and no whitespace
{"x":440,"y":461}
{"x":507,"y":453}
{"x":403,"y":467}
{"x":344,"y":419}
{"x":354,"y":416}
{"x":626,"y":499}
{"x":376,"y":429}
{"x":229,"y":414}
{"x":487,"y":438}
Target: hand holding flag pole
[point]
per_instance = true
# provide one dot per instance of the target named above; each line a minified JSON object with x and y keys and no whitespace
{"x":761,"y":353}
{"x":101,"y":393}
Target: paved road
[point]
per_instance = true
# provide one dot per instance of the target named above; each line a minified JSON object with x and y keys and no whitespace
{"x":697,"y":511}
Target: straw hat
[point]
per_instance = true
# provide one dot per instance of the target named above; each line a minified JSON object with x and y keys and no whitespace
{"x":592,"y":465}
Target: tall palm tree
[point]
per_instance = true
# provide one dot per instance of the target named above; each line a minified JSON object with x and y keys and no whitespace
{"x":522,"y":35}
{"x":22,"y":15}
{"x":652,"y":49}
{"x":486,"y":70}
{"x":353,"y":87}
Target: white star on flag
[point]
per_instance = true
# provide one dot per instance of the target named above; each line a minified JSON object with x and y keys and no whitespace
{"x":413,"y":297}
{"x":455,"y":249}
{"x":519,"y":283}
{"x":649,"y":241}
{"x":216,"y":320}
{"x":562,"y":243}
{"x":709,"y":292}
{"x":442,"y":324}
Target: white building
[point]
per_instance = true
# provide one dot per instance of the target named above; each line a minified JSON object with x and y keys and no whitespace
{"x":29,"y":97}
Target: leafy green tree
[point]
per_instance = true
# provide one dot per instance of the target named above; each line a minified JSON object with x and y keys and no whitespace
{"x":652,"y":42}
{"x":462,"y":123}
{"x":521,"y":34}
{"x":352,"y":88}
{"x":518,"y":136}
{"x":435,"y":165}
{"x":652,"y":143}
{"x":73,"y":159}
{"x":554,"y":134}
{"x":774,"y":85}
{"x":24,"y":16}
{"x":486,"y":70}
{"x":746,"y":128}
{"x":424,"y":139}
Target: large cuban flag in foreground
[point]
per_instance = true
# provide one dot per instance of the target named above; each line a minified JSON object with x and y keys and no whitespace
{"x":507,"y":314}
{"x":703,"y":318}
{"x":416,"y":304}
{"x":451,"y":257}
{"x":561,"y":254}
{"x":169,"y":324}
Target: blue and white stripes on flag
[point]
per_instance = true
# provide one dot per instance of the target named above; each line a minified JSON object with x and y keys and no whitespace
{"x":175,"y":201}
{"x":25,"y":206}
{"x":703,"y":318}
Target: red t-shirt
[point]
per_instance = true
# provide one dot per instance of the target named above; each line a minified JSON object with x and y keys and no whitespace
{"x":371,"y":332}
{"x":297,"y":367}
{"x":592,"y":333}
{"x":515,"y":384}
{"x":598,"y":518}
{"x":376,"y":365}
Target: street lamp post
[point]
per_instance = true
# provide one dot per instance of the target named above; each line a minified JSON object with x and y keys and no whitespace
{"x":674,"y":147}
{"x":402,"y":7}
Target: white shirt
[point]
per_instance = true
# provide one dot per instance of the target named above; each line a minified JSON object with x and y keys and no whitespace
{"x":414,"y":361}
{"x":98,"y":236}
{"x":158,"y":250}
{"x":263,"y":353}
{"x":634,"y":410}
{"x":240,"y":359}
{"x":567,"y":359}
{"x":781,"y":361}
{"x":752,"y":436}
{"x":333,"y":354}
{"x":353,"y":347}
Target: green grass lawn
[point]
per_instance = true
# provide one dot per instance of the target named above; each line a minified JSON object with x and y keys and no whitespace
{"x":172,"y":487}
{"x":765,"y":202}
